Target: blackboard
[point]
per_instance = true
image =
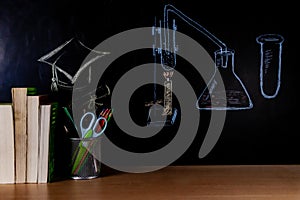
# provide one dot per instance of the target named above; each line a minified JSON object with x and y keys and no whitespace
{"x":264,"y":134}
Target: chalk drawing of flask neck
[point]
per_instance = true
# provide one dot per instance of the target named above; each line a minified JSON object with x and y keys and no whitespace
{"x":270,"y":64}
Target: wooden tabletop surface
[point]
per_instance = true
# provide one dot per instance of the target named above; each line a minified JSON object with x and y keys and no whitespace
{"x":259,"y":182}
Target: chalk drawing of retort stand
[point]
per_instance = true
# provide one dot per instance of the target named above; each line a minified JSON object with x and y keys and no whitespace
{"x":235,"y":96}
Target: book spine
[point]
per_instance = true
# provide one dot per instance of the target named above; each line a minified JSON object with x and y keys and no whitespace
{"x":19,"y":98}
{"x":7,"y":157}
{"x":32,"y":138}
{"x":53,"y":121}
{"x":45,"y":111}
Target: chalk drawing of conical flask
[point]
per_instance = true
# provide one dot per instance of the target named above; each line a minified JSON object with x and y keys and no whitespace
{"x":225,"y":90}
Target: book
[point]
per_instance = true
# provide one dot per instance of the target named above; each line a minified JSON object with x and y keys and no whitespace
{"x":46,"y":160}
{"x":33,"y":117}
{"x":7,"y":152}
{"x":45,"y":111}
{"x":52,"y":145}
{"x":19,"y":103}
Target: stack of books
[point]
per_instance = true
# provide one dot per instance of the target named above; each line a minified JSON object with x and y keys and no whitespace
{"x":27,"y":128}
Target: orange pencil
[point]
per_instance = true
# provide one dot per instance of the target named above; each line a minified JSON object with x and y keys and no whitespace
{"x":105,"y":115}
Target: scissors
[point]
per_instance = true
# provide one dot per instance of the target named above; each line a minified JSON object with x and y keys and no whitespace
{"x":92,"y":130}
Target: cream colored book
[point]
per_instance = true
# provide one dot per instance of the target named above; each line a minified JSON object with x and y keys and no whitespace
{"x":45,"y":115}
{"x":33,"y":123}
{"x":7,"y":153}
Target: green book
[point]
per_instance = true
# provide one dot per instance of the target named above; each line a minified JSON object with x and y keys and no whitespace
{"x":47,"y":144}
{"x":53,"y":125}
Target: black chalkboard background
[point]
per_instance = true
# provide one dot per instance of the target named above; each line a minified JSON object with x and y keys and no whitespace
{"x":266,"y":134}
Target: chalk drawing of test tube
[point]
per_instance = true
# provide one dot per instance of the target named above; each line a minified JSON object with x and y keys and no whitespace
{"x":270,"y":64}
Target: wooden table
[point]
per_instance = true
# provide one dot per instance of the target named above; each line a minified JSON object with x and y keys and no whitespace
{"x":228,"y":182}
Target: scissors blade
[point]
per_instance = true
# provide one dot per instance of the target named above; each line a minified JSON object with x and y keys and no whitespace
{"x":88,"y":134}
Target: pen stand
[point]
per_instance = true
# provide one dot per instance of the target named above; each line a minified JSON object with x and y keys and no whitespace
{"x":85,"y":154}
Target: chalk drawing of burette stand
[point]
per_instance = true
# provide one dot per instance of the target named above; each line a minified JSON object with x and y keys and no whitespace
{"x":213,"y":97}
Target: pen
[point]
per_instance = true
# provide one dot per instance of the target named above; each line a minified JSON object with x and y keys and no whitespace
{"x":101,"y":113}
{"x":106,"y":115}
{"x":81,"y":153}
{"x":109,"y":116}
{"x":69,"y":116}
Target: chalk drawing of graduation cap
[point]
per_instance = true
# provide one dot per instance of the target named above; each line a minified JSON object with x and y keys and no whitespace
{"x":68,"y":62}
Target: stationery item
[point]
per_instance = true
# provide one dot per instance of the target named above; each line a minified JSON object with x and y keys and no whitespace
{"x":89,"y":143}
{"x":86,"y":164}
{"x":7,"y":156}
{"x":92,"y":125}
{"x":90,"y":132}
{"x":110,"y":115}
{"x":68,"y":124}
{"x":69,"y":116}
